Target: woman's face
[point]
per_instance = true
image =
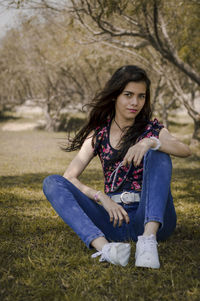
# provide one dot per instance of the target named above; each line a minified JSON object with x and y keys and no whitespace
{"x":130,"y":102}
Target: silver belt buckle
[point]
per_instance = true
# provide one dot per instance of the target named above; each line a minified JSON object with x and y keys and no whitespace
{"x":126,"y":197}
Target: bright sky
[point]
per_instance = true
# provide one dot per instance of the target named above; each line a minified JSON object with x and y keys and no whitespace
{"x":8,"y":19}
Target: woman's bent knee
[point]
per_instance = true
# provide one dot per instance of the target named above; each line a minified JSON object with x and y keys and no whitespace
{"x":159,"y":159}
{"x":49,"y":182}
{"x":53,"y":181}
{"x":158,"y":154}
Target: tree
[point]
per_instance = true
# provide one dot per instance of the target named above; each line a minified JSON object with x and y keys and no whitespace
{"x":141,"y":25}
{"x":52,"y":71}
{"x":13,"y":87}
{"x":151,"y":31}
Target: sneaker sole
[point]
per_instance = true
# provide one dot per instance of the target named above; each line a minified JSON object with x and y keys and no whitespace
{"x":147,"y":265}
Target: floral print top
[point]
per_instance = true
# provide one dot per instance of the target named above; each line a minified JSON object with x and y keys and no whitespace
{"x":119,"y":177}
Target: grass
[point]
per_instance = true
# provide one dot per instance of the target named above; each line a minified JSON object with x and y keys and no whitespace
{"x":42,"y":259}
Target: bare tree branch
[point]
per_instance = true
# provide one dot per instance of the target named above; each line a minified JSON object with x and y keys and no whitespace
{"x":150,"y":34}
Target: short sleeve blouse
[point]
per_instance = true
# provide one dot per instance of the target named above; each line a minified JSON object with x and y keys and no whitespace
{"x":116,"y":177}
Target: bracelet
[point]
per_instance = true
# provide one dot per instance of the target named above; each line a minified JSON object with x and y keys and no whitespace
{"x":96,"y":196}
{"x":157,"y":142}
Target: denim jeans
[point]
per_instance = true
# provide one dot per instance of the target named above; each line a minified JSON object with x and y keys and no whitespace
{"x":90,"y":220}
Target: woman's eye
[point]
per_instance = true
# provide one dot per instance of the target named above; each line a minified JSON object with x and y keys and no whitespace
{"x":142,"y":96}
{"x":128,"y":94}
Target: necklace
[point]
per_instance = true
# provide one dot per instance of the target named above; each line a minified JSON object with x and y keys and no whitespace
{"x":118,"y":125}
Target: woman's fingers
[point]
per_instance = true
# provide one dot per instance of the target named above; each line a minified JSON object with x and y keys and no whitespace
{"x":118,"y":215}
{"x":115,"y":219}
{"x":111,"y":216}
{"x":126,"y":217}
{"x":116,"y":212}
{"x":136,"y":152}
{"x":140,"y":148}
{"x":129,"y":156}
{"x":125,"y":160}
{"x":135,"y":156}
{"x":139,"y":160}
{"x":120,"y":218}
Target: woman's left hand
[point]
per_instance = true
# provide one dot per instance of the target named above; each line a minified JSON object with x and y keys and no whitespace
{"x":137,"y":151}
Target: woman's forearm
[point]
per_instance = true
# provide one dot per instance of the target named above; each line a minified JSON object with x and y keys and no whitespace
{"x":173,"y":146}
{"x":90,"y":192}
{"x":176,"y":148}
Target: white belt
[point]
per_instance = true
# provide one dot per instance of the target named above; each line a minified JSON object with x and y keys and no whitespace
{"x":126,"y":197}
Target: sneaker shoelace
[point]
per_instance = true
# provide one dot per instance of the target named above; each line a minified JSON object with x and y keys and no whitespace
{"x":99,"y":253}
{"x":149,"y":244}
{"x":102,"y":253}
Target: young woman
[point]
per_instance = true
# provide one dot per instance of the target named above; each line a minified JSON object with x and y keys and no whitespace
{"x":134,"y":151}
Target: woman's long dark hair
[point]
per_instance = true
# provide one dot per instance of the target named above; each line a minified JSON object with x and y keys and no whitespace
{"x":103,"y":107}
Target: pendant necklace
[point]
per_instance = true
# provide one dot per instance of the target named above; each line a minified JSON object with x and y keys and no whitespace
{"x":118,"y":125}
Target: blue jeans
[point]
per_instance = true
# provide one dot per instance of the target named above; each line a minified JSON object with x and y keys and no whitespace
{"x":90,"y":220}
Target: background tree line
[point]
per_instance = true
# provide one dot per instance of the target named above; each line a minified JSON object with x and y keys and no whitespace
{"x":61,"y":57}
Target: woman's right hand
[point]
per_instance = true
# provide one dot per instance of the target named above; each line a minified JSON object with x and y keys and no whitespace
{"x":115,"y":211}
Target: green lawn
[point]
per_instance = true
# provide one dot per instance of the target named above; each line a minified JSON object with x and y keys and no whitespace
{"x":42,"y":259}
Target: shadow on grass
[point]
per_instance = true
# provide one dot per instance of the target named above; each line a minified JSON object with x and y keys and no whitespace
{"x":29,"y":218}
{"x":186,"y":173}
{"x":12,"y":202}
{"x":16,"y":201}
{"x":35,"y":180}
{"x":31,"y":180}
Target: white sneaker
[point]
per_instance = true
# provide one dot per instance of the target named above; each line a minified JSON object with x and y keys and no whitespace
{"x":146,"y":254}
{"x":115,"y":252}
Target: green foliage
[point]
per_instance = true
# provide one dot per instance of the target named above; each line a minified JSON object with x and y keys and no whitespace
{"x":42,"y":259}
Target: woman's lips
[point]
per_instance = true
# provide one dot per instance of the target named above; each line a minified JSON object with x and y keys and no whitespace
{"x":133,"y":110}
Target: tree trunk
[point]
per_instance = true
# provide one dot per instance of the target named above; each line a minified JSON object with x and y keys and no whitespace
{"x":49,"y":122}
{"x":196,"y":133}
